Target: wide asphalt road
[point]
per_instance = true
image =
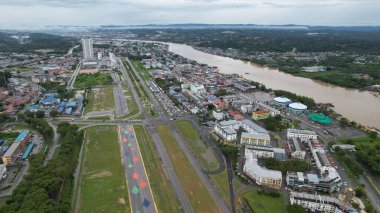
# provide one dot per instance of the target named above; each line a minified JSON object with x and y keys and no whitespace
{"x":186,"y":207}
{"x":140,"y":193}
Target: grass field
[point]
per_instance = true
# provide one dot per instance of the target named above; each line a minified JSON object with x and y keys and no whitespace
{"x":132,"y":106}
{"x":199,"y":197}
{"x":263,"y":203}
{"x":102,"y":184}
{"x":17,"y":69}
{"x":98,"y":79}
{"x":141,"y":69}
{"x":192,"y":138}
{"x":161,"y":187}
{"x":100,"y":99}
{"x":221,"y":182}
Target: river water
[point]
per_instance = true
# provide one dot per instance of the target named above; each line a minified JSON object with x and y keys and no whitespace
{"x":361,"y":107}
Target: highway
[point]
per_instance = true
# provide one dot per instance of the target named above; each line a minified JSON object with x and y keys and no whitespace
{"x":121,"y":108}
{"x":140,"y":193}
{"x":70,"y":84}
{"x":159,"y":145}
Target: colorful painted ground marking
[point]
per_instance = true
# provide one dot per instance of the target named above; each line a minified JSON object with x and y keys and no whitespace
{"x":135,"y":176}
{"x":135,"y":190}
{"x":143,"y":184}
{"x":146,"y":203}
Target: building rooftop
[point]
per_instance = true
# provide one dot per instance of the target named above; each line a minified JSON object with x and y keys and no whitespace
{"x":229,"y":122}
{"x":302,"y":131}
{"x":254,"y":135}
{"x":254,"y":126}
{"x":252,"y":165}
{"x":298,"y":106}
{"x":22,"y":136}
{"x":11,"y":149}
{"x":321,"y":199}
{"x":283,"y":100}
{"x":229,"y":131}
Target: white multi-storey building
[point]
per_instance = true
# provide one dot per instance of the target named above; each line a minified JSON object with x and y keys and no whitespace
{"x":303,"y":135}
{"x":227,"y":129}
{"x":295,"y":149}
{"x":88,"y":50}
{"x":261,"y":175}
{"x":320,"y":203}
{"x":218,"y":115}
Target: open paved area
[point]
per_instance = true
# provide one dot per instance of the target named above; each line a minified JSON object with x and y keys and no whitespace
{"x":140,"y":193}
{"x":121,"y":108}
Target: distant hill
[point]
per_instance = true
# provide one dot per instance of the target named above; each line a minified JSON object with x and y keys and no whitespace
{"x":29,"y":42}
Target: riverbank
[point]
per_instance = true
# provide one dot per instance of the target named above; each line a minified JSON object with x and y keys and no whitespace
{"x":359,"y":106}
{"x":334,"y":71}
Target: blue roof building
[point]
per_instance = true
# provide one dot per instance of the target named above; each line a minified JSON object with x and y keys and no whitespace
{"x":21,"y":137}
{"x":71,"y":104}
{"x":4,"y":148}
{"x":27,"y":151}
{"x":2,"y":141}
{"x":213,"y":98}
{"x":68,"y":111}
{"x":51,"y":94}
{"x":34,"y":108}
{"x":50,"y":101}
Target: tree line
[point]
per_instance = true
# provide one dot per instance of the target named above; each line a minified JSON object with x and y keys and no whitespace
{"x":49,"y":188}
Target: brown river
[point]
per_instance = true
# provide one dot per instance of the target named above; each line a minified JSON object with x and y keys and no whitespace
{"x":362,"y":107}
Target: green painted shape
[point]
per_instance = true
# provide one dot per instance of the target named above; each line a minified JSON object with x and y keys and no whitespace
{"x":135,"y":190}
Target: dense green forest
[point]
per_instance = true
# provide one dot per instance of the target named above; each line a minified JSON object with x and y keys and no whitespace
{"x":36,"y":41}
{"x":251,"y":40}
{"x":49,"y":188}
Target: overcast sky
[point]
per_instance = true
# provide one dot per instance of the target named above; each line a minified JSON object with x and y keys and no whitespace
{"x":101,"y":12}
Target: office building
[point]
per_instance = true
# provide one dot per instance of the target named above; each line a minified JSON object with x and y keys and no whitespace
{"x":254,"y":139}
{"x":88,"y":50}
{"x":303,"y":135}
{"x":320,"y":203}
{"x":294,"y":148}
{"x":261,"y":175}
{"x":265,"y":152}
{"x":312,"y":182}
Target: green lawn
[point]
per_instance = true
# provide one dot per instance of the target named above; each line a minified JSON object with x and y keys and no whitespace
{"x":367,"y":153}
{"x":17,"y":69}
{"x":103,"y":187}
{"x":132,"y":106}
{"x":264,"y":203}
{"x":91,"y":80}
{"x":100,"y":99}
{"x":160,"y":185}
{"x":141,"y":69}
{"x":192,"y":138}
{"x":199,"y":197}
{"x":221,"y":182}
